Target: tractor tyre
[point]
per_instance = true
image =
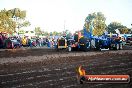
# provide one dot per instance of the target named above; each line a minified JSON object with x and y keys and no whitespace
{"x":87,"y":47}
{"x":121,"y":47}
{"x":8,"y":44}
{"x":69,"y":48}
{"x":117,"y":47}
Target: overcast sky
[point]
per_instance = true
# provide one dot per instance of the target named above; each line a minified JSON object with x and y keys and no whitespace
{"x":52,"y":15}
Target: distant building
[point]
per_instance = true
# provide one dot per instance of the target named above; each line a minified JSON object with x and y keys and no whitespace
{"x":30,"y":33}
{"x":27,"y":33}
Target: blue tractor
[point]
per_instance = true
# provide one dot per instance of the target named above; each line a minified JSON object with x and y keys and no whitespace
{"x":102,"y":42}
{"x":88,"y":42}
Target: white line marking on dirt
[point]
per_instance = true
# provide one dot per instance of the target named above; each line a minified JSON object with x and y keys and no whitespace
{"x":69,"y":86}
{"x":54,"y":56}
{"x":26,"y":72}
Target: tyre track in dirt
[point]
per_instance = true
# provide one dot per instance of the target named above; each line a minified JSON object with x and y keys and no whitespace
{"x":61,"y":72}
{"x":32,"y":57}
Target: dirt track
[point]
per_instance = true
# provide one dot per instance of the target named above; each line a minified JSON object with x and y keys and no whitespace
{"x":40,"y":68}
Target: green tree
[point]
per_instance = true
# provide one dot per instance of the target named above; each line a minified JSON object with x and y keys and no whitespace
{"x":54,"y":33}
{"x":98,"y":22}
{"x":16,"y":13}
{"x":21,"y":31}
{"x":24,"y":24}
{"x":45,"y":33}
{"x":38,"y":31}
{"x":12,"y":19}
{"x":19,"y":16}
{"x":116,"y":25}
{"x":6,"y":23}
{"x":60,"y":33}
{"x":113,"y":26}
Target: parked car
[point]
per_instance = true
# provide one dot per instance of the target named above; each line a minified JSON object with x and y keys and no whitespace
{"x":16,"y":43}
{"x":33,"y":42}
{"x":129,"y":40}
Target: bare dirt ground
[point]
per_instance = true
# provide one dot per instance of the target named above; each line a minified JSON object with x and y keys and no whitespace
{"x":46,"y":68}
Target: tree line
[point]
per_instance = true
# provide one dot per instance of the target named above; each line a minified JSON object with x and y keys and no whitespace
{"x":97,"y":20}
{"x":12,"y":20}
{"x":15,"y":19}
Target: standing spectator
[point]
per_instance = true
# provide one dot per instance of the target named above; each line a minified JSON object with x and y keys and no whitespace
{"x":40,"y":44}
{"x":29,"y":42}
{"x":48,"y":42}
{"x":37,"y":42}
{"x":52,"y":42}
{"x":1,"y":41}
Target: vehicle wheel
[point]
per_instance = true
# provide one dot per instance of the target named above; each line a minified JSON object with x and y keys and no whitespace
{"x":8,"y":44}
{"x":69,"y":49}
{"x":117,"y":47}
{"x":56,"y":48}
{"x":121,"y":46}
{"x":12,"y":45}
{"x":87,"y":47}
{"x":130,"y":43}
